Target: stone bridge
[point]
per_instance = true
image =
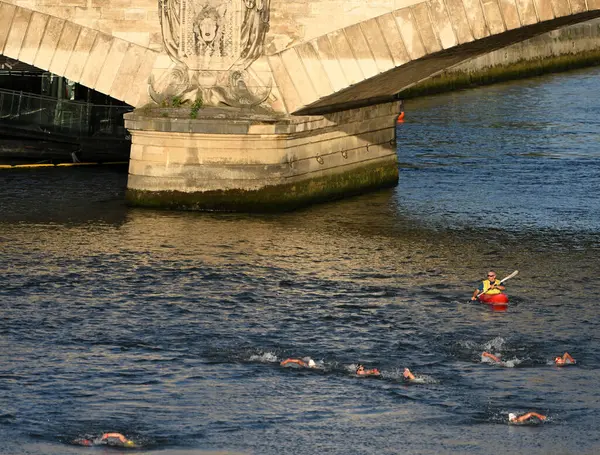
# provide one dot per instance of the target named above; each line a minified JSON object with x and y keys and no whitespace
{"x":266,"y":97}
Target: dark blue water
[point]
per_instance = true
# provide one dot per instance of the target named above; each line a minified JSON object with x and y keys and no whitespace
{"x":169,"y":327}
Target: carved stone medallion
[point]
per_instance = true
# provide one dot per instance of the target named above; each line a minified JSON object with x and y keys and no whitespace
{"x":214,"y":34}
{"x":205,"y":36}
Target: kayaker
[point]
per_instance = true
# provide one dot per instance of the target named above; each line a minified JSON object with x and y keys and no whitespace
{"x":362,"y":371}
{"x":307,"y":362}
{"x":490,"y":286}
{"x":564,"y":360}
{"x":513,"y":418}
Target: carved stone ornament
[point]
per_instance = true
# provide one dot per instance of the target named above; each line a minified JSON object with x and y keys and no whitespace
{"x":212,"y":43}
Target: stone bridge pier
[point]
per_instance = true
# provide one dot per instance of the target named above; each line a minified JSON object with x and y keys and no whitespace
{"x":262,"y":105}
{"x":238,"y":160}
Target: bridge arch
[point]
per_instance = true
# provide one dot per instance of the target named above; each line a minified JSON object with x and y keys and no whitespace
{"x":370,"y":62}
{"x":99,"y":61}
{"x":362,"y":64}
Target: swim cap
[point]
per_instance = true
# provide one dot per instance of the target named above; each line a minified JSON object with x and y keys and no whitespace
{"x":512,"y":416}
{"x":311,"y":363}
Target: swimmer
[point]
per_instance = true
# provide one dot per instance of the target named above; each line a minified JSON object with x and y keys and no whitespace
{"x":408,"y":375}
{"x":491,"y":357}
{"x":417,"y":378}
{"x":565,"y":360}
{"x":110,"y":439}
{"x":310,"y":363}
{"x":361,"y":371}
{"x":498,"y":361}
{"x":513,"y":418}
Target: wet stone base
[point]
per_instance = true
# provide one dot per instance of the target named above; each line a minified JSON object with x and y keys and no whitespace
{"x":275,"y":198}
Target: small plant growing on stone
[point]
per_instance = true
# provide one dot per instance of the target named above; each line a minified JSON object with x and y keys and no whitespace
{"x":196,"y":106}
{"x":177,"y":101}
{"x":172,"y":101}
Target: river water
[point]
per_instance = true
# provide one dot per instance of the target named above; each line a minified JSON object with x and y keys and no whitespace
{"x":169,"y":327}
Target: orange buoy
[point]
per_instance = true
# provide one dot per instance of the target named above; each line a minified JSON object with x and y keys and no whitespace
{"x":401,"y":117}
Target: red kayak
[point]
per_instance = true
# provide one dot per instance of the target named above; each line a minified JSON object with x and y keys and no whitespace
{"x":494,"y":299}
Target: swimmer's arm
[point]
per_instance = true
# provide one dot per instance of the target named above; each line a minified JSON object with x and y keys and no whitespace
{"x":529,"y":415}
{"x":118,"y":436}
{"x":491,"y":356}
{"x":408,"y":375}
{"x":567,"y":356}
{"x":299,"y":362}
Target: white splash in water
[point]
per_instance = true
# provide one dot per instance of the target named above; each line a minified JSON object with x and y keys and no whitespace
{"x":511,"y":363}
{"x":424,"y":379}
{"x":468,"y":344}
{"x":494,"y":345}
{"x":503,"y":363}
{"x":265,"y":357}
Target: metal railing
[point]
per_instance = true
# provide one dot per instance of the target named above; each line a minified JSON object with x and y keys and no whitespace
{"x":72,"y":118}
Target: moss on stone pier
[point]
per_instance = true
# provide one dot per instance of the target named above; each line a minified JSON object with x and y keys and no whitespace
{"x":450,"y":81}
{"x":276,"y":198}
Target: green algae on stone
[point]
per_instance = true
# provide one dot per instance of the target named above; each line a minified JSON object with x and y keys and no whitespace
{"x":274,"y":198}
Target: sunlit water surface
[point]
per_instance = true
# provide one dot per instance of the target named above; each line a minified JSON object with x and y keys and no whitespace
{"x":169,"y":327}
